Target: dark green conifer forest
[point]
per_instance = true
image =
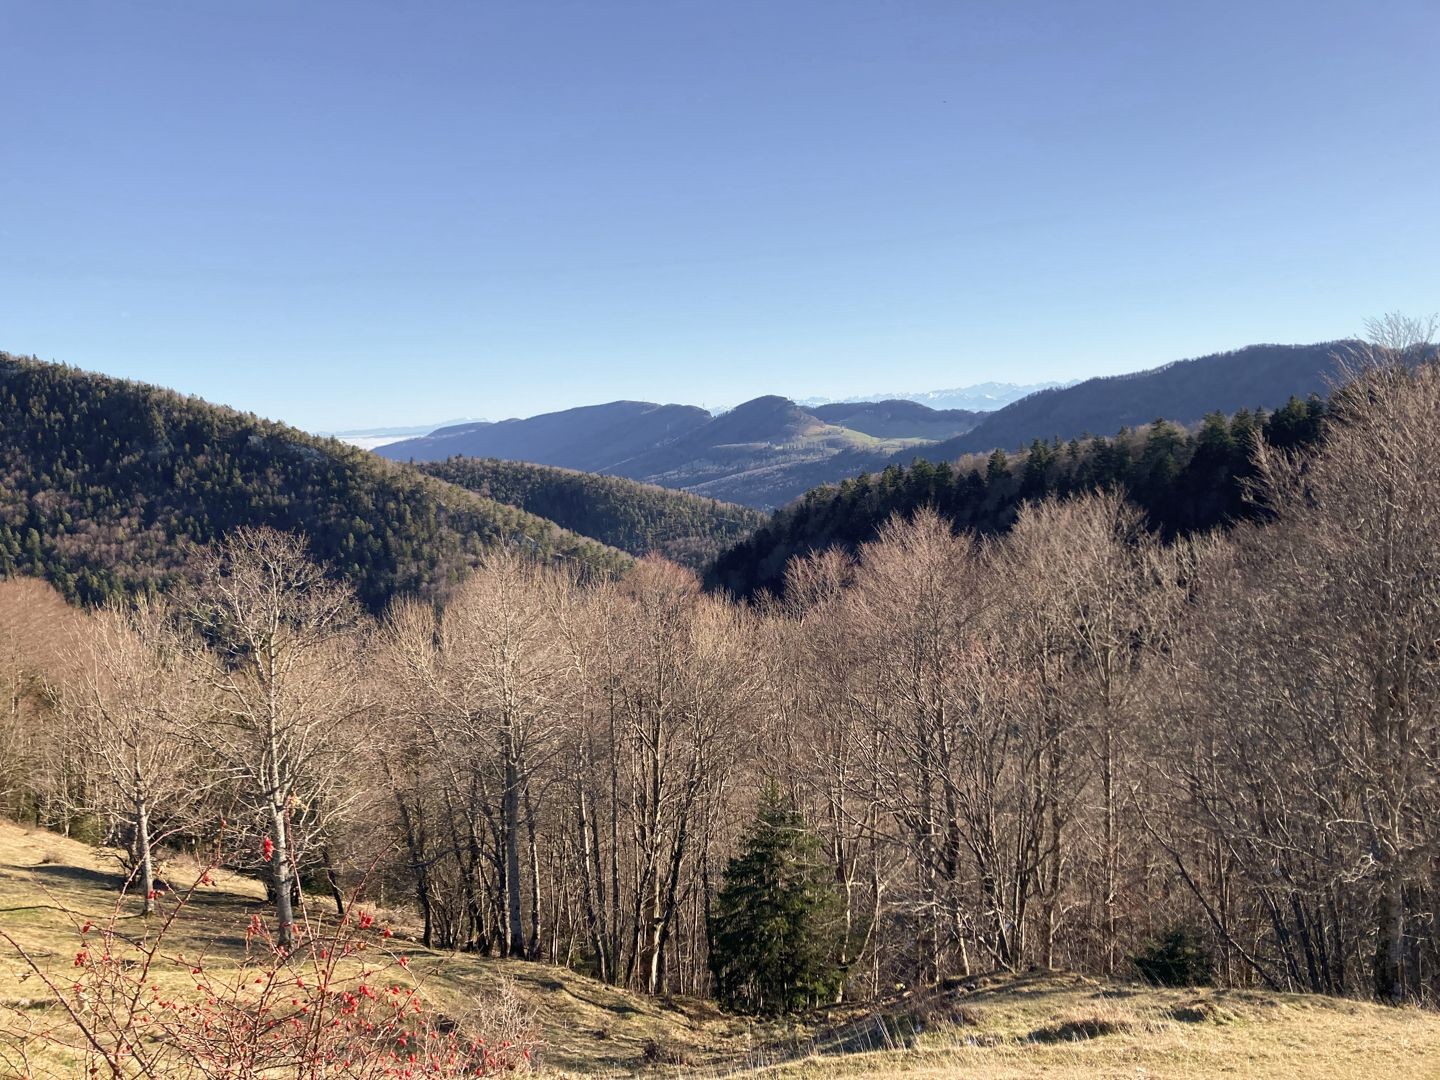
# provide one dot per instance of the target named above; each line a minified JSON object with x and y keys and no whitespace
{"x":1184,"y":481}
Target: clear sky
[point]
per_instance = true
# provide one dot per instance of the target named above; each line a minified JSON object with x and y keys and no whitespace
{"x":352,"y":213}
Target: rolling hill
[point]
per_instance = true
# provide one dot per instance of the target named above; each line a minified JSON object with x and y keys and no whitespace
{"x":592,"y":438}
{"x":898,"y":419}
{"x":771,"y":450}
{"x":1259,"y":376}
{"x":105,"y":484}
{"x":1184,"y":482}
{"x":762,"y":453}
{"x":626,"y":514}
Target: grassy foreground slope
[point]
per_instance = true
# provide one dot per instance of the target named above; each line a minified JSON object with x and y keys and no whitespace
{"x":46,"y":881}
{"x":1061,"y":1026}
{"x":1068,"y":1027}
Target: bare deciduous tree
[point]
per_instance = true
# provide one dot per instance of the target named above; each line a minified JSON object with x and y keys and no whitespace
{"x":134,"y":701}
{"x":280,"y":641}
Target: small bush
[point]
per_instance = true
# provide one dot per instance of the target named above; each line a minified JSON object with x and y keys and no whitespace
{"x":949,"y":1012}
{"x":1078,"y":1029}
{"x":1179,"y":957}
{"x":1200,"y":1011}
{"x":340,"y":1004}
{"x":87,"y":828}
{"x":655,"y":1052}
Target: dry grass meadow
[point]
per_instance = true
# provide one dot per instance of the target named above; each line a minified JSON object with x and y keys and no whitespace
{"x":1057,"y":1026}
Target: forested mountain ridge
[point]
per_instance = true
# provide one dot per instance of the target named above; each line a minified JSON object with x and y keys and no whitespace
{"x":761,"y":453}
{"x":771,"y":450}
{"x":640,"y":438}
{"x":1184,"y":391}
{"x":106,"y":483}
{"x":632,"y":516}
{"x":592,"y":438}
{"x":1183,"y":482}
{"x":898,"y":418}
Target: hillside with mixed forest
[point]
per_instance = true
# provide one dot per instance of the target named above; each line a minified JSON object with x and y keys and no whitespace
{"x":1006,"y":732}
{"x":107,"y":484}
{"x":1255,"y":377}
{"x":1000,"y":723}
{"x":634,"y":517}
{"x":1183,"y":481}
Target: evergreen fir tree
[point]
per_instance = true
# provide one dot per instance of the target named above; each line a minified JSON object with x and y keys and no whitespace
{"x":997,"y":468}
{"x":777,"y":933}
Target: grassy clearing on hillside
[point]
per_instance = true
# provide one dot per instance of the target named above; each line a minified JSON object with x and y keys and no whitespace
{"x":49,"y":885}
{"x":1068,"y":1027}
{"x":997,"y":1028}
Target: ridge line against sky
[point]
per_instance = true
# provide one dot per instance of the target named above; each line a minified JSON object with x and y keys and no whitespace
{"x":380,"y":435}
{"x":349,"y":215}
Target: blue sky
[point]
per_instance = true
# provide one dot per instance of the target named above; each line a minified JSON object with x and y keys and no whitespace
{"x":345,"y":214}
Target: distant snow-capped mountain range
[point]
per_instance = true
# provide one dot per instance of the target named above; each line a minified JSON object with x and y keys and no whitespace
{"x":982,"y":397}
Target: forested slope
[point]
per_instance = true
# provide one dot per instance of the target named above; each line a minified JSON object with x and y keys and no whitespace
{"x":1255,"y":377}
{"x":760,"y":454}
{"x":898,"y":419}
{"x":105,"y":484}
{"x":1182,"y":481}
{"x":591,"y":437}
{"x":634,"y":517}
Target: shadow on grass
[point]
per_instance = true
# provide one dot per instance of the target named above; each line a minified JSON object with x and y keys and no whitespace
{"x":56,"y":874}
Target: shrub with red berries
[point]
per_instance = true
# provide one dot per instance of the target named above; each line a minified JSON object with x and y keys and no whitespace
{"x":341,"y":1004}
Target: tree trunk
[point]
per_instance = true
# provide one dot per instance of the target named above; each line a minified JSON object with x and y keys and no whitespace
{"x":142,"y":849}
{"x":1390,"y":941}
{"x":415,"y":844}
{"x":280,"y":879}
{"x":592,"y":887}
{"x":532,"y":952}
{"x":332,"y":878}
{"x":510,"y":813}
